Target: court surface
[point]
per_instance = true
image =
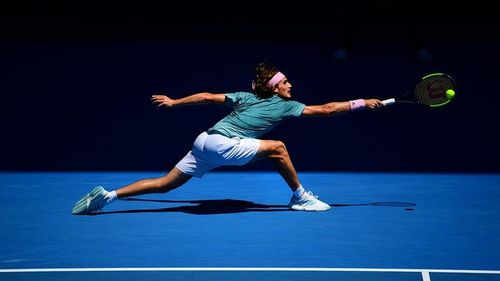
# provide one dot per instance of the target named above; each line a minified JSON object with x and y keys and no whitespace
{"x":236,"y":226}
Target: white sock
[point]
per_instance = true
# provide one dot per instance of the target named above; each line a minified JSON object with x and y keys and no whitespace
{"x":110,"y":196}
{"x":299,"y":192}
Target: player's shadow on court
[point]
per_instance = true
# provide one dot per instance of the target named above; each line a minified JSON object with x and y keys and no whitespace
{"x":231,"y":206}
{"x":205,"y":207}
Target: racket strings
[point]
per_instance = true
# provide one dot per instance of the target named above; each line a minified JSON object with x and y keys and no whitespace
{"x":432,"y":90}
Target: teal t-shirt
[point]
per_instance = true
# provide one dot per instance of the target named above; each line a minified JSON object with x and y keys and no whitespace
{"x":253,"y":117}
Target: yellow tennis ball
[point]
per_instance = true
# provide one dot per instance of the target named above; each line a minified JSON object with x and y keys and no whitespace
{"x":450,"y":94}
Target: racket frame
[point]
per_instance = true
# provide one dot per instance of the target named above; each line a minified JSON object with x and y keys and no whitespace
{"x":414,"y":100}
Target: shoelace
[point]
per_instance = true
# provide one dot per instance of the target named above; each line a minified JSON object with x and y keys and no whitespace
{"x":310,"y":194}
{"x":308,"y":198}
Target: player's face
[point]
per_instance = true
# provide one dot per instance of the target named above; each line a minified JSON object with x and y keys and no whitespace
{"x":283,"y":89}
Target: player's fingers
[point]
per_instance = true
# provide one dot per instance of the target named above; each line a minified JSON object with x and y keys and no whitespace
{"x":159,"y":98}
{"x":374,"y":106}
{"x":158,"y":103}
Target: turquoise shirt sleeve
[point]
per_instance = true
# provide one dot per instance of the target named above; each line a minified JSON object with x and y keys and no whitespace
{"x":294,"y":109}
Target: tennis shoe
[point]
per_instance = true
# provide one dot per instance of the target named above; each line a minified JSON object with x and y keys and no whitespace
{"x":308,"y":202}
{"x":91,"y":203}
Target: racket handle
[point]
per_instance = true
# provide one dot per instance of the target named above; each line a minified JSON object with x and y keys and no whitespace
{"x":389,"y":101}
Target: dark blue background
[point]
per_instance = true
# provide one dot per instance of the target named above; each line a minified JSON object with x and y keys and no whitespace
{"x":75,"y":95}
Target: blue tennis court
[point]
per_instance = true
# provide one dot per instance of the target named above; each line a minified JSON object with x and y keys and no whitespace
{"x":415,"y":190}
{"x":236,"y":226}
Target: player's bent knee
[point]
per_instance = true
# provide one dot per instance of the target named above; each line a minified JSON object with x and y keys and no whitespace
{"x":272,"y":149}
{"x":280,"y":148}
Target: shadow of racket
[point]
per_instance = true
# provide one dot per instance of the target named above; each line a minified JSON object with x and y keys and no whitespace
{"x":407,"y":205}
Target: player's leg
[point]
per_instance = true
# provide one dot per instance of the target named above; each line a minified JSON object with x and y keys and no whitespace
{"x":166,"y":183}
{"x":99,"y":197}
{"x":276,"y":150}
{"x":301,"y":200}
{"x":186,"y":168}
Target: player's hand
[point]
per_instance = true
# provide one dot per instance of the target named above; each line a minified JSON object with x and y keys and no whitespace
{"x":373,"y":104}
{"x":162,"y":100}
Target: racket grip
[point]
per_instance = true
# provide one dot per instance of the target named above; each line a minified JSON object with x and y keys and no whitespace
{"x":389,"y":101}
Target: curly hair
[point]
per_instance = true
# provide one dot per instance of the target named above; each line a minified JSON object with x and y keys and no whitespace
{"x":263,"y":73}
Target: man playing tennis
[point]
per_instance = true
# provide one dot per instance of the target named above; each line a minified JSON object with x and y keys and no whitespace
{"x":235,"y":140}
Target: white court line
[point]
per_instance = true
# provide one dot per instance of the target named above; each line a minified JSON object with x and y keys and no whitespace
{"x":426,"y":276}
{"x":318,"y":269}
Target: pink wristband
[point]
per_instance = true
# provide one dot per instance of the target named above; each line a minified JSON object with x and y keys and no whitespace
{"x":357,"y":104}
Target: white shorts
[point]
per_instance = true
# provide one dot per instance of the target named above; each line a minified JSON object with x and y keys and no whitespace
{"x":212,"y":151}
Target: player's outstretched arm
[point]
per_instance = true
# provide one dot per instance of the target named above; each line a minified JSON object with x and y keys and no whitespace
{"x":199,"y":98}
{"x":335,"y":108}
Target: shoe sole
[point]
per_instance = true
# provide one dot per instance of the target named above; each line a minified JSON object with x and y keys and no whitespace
{"x":300,"y":208}
{"x":81,"y":207}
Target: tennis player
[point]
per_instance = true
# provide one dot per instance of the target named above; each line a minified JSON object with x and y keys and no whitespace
{"x":236,"y":139}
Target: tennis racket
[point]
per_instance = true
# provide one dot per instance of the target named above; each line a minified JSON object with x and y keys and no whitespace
{"x":434,"y":90}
